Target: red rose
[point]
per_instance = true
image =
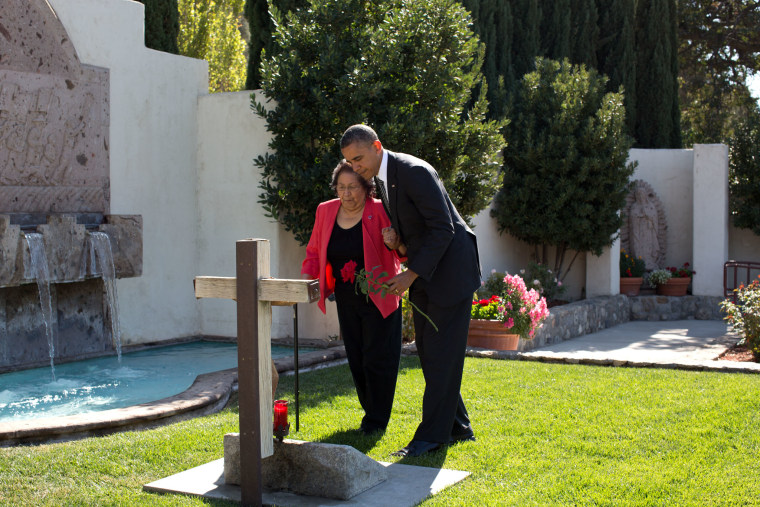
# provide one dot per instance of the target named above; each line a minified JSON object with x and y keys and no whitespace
{"x":348,"y":272}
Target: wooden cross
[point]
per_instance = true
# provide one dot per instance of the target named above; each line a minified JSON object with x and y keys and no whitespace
{"x":255,"y":293}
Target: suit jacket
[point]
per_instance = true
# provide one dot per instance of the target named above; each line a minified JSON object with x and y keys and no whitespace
{"x":316,"y":265}
{"x":441,"y":248}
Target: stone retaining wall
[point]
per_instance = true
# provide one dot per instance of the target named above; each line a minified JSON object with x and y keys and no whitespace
{"x":592,"y":315}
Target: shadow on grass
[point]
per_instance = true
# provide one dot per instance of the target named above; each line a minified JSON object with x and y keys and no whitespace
{"x":354,"y":438}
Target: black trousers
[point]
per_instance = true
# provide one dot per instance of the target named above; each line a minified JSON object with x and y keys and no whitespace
{"x":442,"y":356}
{"x":373,"y":349}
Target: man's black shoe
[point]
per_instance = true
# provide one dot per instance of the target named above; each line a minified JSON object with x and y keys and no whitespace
{"x":465,"y":437}
{"x":417,"y":448}
{"x":367,"y":430}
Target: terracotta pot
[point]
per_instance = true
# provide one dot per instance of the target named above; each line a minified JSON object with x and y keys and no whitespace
{"x":630,"y":286}
{"x":491,"y":334}
{"x":674,"y":287}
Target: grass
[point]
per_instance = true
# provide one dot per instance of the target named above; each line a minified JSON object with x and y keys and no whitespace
{"x":548,"y":434}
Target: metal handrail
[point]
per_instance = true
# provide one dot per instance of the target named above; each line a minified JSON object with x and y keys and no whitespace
{"x":731,"y":278}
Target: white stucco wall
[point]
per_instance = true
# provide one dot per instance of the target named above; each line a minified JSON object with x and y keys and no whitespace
{"x":230,"y":137}
{"x":153,"y":136}
{"x":670,"y":173}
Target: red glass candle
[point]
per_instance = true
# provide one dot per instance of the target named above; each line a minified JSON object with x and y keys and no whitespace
{"x":280,"y":414}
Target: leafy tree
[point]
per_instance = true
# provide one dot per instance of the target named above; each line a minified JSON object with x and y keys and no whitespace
{"x":161,"y":25}
{"x":406,"y":67}
{"x":555,"y":29}
{"x":744,"y":172}
{"x":719,"y":45}
{"x":584,"y":32}
{"x":209,"y":30}
{"x":565,"y":173}
{"x":657,"y":110}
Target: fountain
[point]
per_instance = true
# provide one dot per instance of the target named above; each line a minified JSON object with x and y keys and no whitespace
{"x":61,"y":250}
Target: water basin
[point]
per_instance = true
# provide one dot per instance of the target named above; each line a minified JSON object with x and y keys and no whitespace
{"x":103,"y":383}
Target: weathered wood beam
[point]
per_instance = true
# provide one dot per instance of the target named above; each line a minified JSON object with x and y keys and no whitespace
{"x":279,"y":292}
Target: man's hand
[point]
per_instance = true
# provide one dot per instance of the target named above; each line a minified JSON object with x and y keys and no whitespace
{"x":401,"y":282}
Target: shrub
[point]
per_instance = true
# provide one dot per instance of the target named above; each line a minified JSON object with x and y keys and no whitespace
{"x":408,"y":68}
{"x":630,"y":266}
{"x":493,"y":285}
{"x":744,"y":315}
{"x":744,"y":173}
{"x":565,"y":171}
{"x":544,"y":280}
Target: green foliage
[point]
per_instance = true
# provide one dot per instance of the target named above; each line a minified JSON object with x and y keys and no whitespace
{"x":486,"y":309}
{"x":744,"y":173}
{"x":406,"y":67}
{"x":744,"y":315}
{"x":630,"y":266}
{"x":210,"y":30}
{"x":565,"y":172}
{"x":684,"y":271}
{"x":584,"y":33}
{"x":161,"y":25}
{"x":615,"y":54}
{"x":719,"y":45}
{"x":407,"y":321}
{"x":261,"y":28}
{"x":493,"y":285}
{"x":555,"y":29}
{"x":541,"y":278}
{"x":658,"y":123}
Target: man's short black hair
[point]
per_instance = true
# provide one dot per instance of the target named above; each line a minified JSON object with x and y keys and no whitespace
{"x":360,"y":133}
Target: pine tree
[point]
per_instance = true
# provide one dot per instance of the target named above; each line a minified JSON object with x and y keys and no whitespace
{"x":161,"y":25}
{"x":657,"y":111}
{"x":615,"y":52}
{"x":526,"y":18}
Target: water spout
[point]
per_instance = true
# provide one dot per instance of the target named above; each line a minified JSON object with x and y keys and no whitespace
{"x":38,"y":269}
{"x":101,"y":258}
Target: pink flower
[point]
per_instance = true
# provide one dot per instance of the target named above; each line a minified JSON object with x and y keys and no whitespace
{"x":510,"y":323}
{"x":348,"y":272}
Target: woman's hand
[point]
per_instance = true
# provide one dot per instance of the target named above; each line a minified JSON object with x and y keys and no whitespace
{"x":391,"y":238}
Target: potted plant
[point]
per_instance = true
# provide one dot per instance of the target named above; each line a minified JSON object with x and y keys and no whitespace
{"x":744,"y":315}
{"x":631,"y":273}
{"x":498,"y":322}
{"x":672,"y":281}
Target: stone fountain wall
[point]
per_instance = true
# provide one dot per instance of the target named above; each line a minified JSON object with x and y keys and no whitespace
{"x":54,"y":180}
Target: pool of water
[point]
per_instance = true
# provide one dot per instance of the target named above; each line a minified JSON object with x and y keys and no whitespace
{"x":103,"y":383}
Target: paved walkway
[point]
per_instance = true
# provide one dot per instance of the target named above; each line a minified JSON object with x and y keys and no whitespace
{"x":685,"y":344}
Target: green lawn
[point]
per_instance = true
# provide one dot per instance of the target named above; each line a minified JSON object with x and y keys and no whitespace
{"x":548,"y":434}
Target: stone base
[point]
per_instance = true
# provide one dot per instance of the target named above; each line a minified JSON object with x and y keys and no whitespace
{"x":309,"y":468}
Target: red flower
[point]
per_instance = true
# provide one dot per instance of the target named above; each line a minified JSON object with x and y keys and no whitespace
{"x":483,"y":302}
{"x":348,"y":272}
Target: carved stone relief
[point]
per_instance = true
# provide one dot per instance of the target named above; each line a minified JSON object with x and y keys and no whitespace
{"x":54,"y":117}
{"x":644,"y":226}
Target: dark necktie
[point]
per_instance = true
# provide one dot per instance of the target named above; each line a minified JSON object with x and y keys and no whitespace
{"x":383,"y":196}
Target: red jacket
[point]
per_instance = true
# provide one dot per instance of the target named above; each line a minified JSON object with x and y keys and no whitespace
{"x":374,"y":220}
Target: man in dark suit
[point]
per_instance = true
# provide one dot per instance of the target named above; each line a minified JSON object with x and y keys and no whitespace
{"x":443,"y":273}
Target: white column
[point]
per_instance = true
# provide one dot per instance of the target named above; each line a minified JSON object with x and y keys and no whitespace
{"x":603,"y":272}
{"x":710,"y":247}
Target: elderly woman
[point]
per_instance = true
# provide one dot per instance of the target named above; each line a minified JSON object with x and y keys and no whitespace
{"x":348,"y":236}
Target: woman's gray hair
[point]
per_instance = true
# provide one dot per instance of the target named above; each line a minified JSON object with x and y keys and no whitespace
{"x":345,"y":167}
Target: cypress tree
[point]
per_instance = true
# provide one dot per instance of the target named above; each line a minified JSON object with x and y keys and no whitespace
{"x":555,"y":29}
{"x":615,"y":52}
{"x":526,"y":18}
{"x":161,"y":25}
{"x":657,"y":111}
{"x":584,"y":32}
{"x":492,"y":22}
{"x":261,"y":28}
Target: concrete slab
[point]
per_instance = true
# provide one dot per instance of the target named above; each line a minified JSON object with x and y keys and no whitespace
{"x":681,"y":341}
{"x":407,"y":485}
